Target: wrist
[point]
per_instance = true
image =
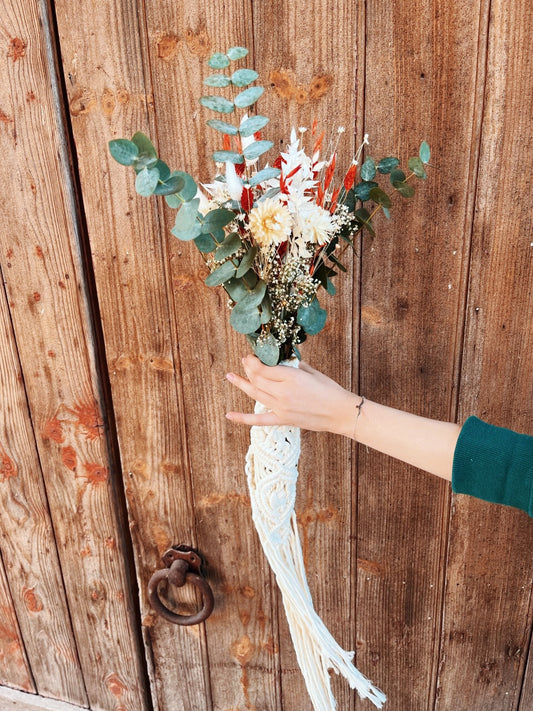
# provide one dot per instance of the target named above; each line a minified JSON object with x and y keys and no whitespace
{"x":346,"y":415}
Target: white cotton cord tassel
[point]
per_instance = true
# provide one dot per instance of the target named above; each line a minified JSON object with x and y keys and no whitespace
{"x":272,"y":472}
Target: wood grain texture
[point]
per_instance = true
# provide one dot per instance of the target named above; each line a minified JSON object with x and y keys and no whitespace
{"x":14,"y":668}
{"x":27,"y":538}
{"x":436,"y":600}
{"x":242,"y":637}
{"x":526,"y":696}
{"x":41,"y":270}
{"x":419,"y":86}
{"x":487,"y":617}
{"x":107,"y":75}
{"x":309,"y":54}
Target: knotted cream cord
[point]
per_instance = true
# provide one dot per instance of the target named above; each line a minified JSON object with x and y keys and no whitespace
{"x":272,"y":472}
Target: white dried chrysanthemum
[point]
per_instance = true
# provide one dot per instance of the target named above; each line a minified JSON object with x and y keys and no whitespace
{"x":270,"y":223}
{"x":316,"y":224}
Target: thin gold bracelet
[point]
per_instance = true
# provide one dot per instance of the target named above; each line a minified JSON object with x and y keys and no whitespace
{"x":358,"y":408}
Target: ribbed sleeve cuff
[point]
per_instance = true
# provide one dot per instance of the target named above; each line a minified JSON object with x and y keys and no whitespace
{"x":494,"y":464}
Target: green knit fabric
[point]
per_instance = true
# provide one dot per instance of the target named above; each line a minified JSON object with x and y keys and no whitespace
{"x":494,"y":464}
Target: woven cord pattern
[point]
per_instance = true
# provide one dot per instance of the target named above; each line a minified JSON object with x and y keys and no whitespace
{"x":272,"y":473}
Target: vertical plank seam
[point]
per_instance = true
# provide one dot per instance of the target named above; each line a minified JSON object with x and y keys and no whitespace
{"x":357,"y":297}
{"x":97,"y":355}
{"x":461,"y":319}
{"x":277,"y":602}
{"x":529,"y":661}
{"x":14,"y":341}
{"x":148,"y":77}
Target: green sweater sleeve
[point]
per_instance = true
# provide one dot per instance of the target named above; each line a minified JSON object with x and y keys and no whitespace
{"x":494,"y":464}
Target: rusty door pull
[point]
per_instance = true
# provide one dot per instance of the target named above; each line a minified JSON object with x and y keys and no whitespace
{"x":183,"y":565}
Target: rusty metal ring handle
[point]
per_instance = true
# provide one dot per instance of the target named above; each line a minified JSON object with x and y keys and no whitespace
{"x":178,"y":574}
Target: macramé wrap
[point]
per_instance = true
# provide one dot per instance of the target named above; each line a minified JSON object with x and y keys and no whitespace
{"x":272,"y":472}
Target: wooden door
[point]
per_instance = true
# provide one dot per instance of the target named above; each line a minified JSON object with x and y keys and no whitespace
{"x":113,"y":354}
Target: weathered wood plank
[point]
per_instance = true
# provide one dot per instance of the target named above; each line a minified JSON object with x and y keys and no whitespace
{"x":110,"y":96}
{"x":41,"y":269}
{"x":242,"y":634}
{"x":14,"y":668}
{"x":526,"y":698}
{"x":27,"y":538}
{"x":487,"y":622}
{"x":419,"y":85}
{"x":12,"y":700}
{"x":309,"y":55}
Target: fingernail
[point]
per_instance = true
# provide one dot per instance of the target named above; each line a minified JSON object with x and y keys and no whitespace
{"x":229,"y":416}
{"x":230,"y":376}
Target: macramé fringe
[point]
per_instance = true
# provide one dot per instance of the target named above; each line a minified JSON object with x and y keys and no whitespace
{"x":272,"y":472}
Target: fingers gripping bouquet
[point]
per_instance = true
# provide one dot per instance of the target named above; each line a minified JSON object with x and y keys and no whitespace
{"x":272,"y":233}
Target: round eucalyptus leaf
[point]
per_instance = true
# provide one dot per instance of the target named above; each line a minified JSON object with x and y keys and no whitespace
{"x":385,"y":165}
{"x":218,"y":61}
{"x":229,"y":246}
{"x":146,"y":181}
{"x":254,"y":297}
{"x":227,"y":157}
{"x":424,"y":152}
{"x":235,"y":53}
{"x":404,"y":189}
{"x":123,"y":151}
{"x":380,"y":196}
{"x":187,"y":235}
{"x":265,"y":174}
{"x":171,"y":186}
{"x":205,"y":243}
{"x":267,"y":350}
{"x":144,"y":144}
{"x":221,"y":274}
{"x":190,"y":188}
{"x":245,"y":320}
{"x":397,"y":176}
{"x":238,"y":287}
{"x":216,"y":219}
{"x":368,"y":169}
{"x":252,"y":124}
{"x":311,"y":318}
{"x":218,"y":103}
{"x":144,"y":161}
{"x":223,"y":127}
{"x":243,"y":77}
{"x":186,"y":220}
{"x":164,"y":170}
{"x":174,"y":200}
{"x":246,"y":261}
{"x":330,"y":287}
{"x":218,"y":80}
{"x":256,"y":149}
{"x":248,"y":96}
{"x":415,"y":164}
{"x":349,"y":199}
{"x":266,"y":310}
{"x":217,"y":234}
{"x":363,"y":218}
{"x":362,"y":190}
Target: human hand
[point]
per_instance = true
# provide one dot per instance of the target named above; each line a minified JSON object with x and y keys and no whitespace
{"x":302,"y":397}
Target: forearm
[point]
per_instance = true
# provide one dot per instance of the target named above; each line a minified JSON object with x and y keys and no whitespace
{"x":419,"y":441}
{"x":308,"y":399}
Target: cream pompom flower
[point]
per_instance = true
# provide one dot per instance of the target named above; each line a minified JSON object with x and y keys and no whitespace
{"x":270,"y":223}
{"x":317,"y":225}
